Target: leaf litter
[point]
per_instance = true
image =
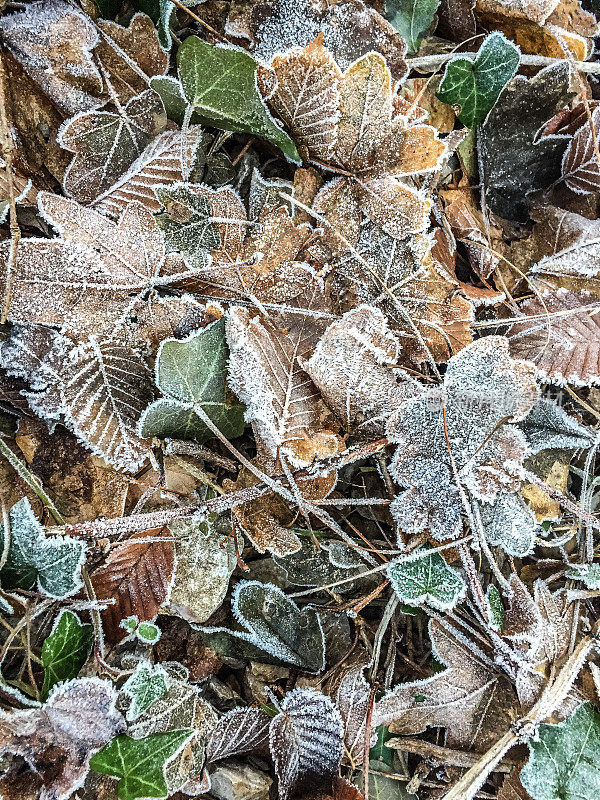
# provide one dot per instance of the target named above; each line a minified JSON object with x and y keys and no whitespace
{"x":299,"y":410}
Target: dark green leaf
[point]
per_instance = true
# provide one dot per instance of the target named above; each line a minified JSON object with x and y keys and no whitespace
{"x":475,"y":86}
{"x":66,"y":650}
{"x":412,"y":19}
{"x":139,"y":763}
{"x":428,"y":579}
{"x":220,"y":85}
{"x":187,"y":224}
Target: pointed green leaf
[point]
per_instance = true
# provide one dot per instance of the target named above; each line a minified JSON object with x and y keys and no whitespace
{"x":220,"y":85}
{"x":427,"y":579}
{"x":54,"y":562}
{"x":191,"y":373}
{"x":475,"y":86}
{"x":65,"y":650}
{"x":411,"y":18}
{"x":495,"y":608}
{"x":139,"y":763}
{"x":147,"y":684}
{"x":187,"y":224}
{"x":564,"y":763}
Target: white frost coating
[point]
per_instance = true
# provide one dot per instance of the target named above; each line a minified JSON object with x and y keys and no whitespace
{"x":510,"y":524}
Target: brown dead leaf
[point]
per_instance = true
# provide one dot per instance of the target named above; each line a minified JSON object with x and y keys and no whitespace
{"x":137,"y":577}
{"x":512,"y":788}
{"x":580,"y":165}
{"x":444,"y":255}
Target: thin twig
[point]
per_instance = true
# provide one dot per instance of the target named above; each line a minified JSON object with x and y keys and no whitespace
{"x":15,"y":231}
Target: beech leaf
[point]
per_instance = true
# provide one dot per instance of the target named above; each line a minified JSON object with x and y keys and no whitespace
{"x":475,"y":86}
{"x":65,"y":650}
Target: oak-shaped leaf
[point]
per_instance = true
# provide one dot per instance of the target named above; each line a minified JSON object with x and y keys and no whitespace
{"x":276,"y":630}
{"x":65,"y":650}
{"x":238,"y":731}
{"x":147,"y":684}
{"x":461,"y":435}
{"x":412,"y":19}
{"x":52,"y":564}
{"x":168,"y":159}
{"x":471,"y":698}
{"x":98,"y":389}
{"x":104,"y":261}
{"x":564,"y":349}
{"x":139,"y":764}
{"x":283,"y":404}
{"x":513,"y":161}
{"x":563,"y":759}
{"x":475,"y":86}
{"x":305,"y":739}
{"x":53,"y":41}
{"x":427,"y":579}
{"x":137,"y":577}
{"x":106,"y":143}
{"x":192,"y":375}
{"x":220,"y":86}
{"x":354,"y":368}
{"x":78,"y":718}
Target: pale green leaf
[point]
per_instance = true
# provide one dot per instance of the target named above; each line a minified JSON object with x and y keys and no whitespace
{"x":148,"y":632}
{"x":475,"y":86}
{"x":219,"y":83}
{"x":187,"y":224}
{"x":427,"y":579}
{"x":139,"y":763}
{"x":588,"y":573}
{"x":411,"y":18}
{"x":65,"y":650}
{"x":147,"y":684}
{"x":564,"y":763}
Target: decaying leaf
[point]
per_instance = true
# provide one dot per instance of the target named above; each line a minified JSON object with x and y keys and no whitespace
{"x":237,"y":732}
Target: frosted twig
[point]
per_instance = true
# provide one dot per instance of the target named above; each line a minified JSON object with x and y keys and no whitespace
{"x":31,"y":480}
{"x":432,"y":63}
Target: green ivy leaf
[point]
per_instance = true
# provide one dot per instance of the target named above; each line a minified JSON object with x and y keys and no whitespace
{"x":192,"y":373}
{"x":588,"y":573}
{"x":475,"y":86}
{"x":564,"y":764}
{"x":54,"y":562}
{"x":427,"y":579}
{"x":65,"y":650}
{"x":220,"y":85}
{"x":139,"y":763}
{"x":147,"y":684}
{"x":412,"y":19}
{"x":187,"y":224}
{"x":159,"y":12}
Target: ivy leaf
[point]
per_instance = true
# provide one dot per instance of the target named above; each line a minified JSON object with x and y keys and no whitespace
{"x":411,"y":18}
{"x":187,"y":224}
{"x":563,"y":764}
{"x":139,"y":763}
{"x":475,"y":86}
{"x":147,"y":684}
{"x":191,"y":373}
{"x":276,"y":630}
{"x":427,"y":579}
{"x":220,"y":85}
{"x":53,"y":562}
{"x":588,"y":573}
{"x":65,"y":650}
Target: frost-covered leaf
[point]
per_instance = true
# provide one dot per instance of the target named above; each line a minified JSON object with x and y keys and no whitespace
{"x":563,"y":761}
{"x":148,"y":633}
{"x":147,"y":684}
{"x":353,"y":366}
{"x":139,"y":764}
{"x":428,"y":579}
{"x":65,"y":650}
{"x":187,"y":224}
{"x":495,"y":607}
{"x":168,"y":159}
{"x":52,"y":564}
{"x":352,"y":696}
{"x":411,"y":18}
{"x":191,"y":373}
{"x":137,"y":577}
{"x":99,"y":389}
{"x":588,"y":573}
{"x":305,"y":740}
{"x":276,"y":629}
{"x":510,"y":523}
{"x":464,"y":427}
{"x":283,"y":404}
{"x":513,"y":161}
{"x":53,"y":41}
{"x":580,"y":168}
{"x":472,"y":699}
{"x":220,"y":85}
{"x":78,"y":718}
{"x":549,"y":426}
{"x":160,"y":12}
{"x":106,"y":143}
{"x":333,"y":561}
{"x":238,"y":731}
{"x":564,"y":349}
{"x":475,"y":86}
{"x":204,"y":566}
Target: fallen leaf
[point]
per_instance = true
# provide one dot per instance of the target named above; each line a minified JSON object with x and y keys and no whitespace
{"x":65,"y":650}
{"x":238,"y":731}
{"x":426,"y":580}
{"x":580,"y":168}
{"x":412,"y":20}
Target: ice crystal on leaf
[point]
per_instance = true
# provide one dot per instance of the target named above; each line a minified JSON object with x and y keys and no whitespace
{"x":238,"y":731}
{"x":461,"y":437}
{"x":147,"y":684}
{"x":352,"y":696}
{"x":427,"y":579}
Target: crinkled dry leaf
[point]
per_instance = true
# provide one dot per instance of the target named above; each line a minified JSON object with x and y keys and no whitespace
{"x":238,"y":731}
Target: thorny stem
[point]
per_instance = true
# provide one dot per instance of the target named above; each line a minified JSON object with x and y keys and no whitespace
{"x":15,"y":231}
